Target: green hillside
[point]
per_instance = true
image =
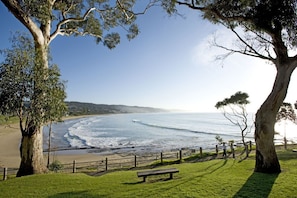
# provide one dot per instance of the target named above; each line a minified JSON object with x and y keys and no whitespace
{"x":214,"y":178}
{"x":81,"y":108}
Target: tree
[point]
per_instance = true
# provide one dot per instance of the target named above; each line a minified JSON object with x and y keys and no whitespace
{"x":47,"y":19}
{"x":286,"y":112}
{"x":18,"y":87}
{"x":265,"y":30}
{"x":234,"y":109}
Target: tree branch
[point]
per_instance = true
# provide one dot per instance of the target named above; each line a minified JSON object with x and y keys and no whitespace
{"x":17,"y":11}
{"x":248,"y":49}
{"x":214,"y":12}
{"x":59,"y":31}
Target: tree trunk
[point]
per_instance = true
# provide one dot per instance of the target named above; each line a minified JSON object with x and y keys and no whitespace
{"x":266,"y":158}
{"x":31,"y":150}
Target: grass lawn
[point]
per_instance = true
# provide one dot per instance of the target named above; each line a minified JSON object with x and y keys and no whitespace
{"x":214,"y":178}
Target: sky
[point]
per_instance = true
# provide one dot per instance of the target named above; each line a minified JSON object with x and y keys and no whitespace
{"x":170,"y":65}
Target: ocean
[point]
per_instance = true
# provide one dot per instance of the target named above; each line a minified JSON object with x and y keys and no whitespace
{"x":146,"y":132}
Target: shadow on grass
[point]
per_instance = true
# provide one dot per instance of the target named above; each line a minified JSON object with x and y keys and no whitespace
{"x":286,"y":154}
{"x":75,"y":194}
{"x":257,"y":185}
{"x":212,"y":168}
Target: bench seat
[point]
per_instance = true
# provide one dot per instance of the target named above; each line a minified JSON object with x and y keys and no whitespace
{"x":145,"y":174}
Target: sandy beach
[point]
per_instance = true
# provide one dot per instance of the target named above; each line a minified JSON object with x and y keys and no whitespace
{"x":10,"y":137}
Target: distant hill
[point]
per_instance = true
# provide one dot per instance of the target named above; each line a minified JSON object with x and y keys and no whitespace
{"x":81,"y":108}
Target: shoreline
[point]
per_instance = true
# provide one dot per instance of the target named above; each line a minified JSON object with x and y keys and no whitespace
{"x":10,"y":138}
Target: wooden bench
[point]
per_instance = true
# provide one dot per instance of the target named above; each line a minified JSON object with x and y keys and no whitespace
{"x":170,"y":171}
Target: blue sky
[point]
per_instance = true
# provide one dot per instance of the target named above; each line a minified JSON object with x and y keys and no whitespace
{"x":169,"y":65}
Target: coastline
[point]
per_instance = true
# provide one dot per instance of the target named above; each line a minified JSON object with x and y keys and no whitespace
{"x":10,"y":137}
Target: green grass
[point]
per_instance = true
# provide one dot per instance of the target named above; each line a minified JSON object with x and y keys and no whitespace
{"x":214,"y":178}
{"x":8,"y":120}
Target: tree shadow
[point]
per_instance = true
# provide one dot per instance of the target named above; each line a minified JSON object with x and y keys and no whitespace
{"x":74,"y":194}
{"x":257,"y":185}
{"x":209,"y":170}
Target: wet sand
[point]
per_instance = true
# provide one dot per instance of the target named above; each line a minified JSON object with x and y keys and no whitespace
{"x":10,"y":138}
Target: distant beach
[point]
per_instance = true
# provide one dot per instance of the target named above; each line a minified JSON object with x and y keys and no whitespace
{"x":143,"y":132}
{"x":92,"y":138}
{"x":10,"y":138}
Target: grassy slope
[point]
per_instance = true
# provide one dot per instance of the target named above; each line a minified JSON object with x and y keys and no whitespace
{"x":215,"y":178}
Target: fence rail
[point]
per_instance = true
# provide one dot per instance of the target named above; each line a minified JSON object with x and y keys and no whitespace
{"x":131,"y":161}
{"x":110,"y":163}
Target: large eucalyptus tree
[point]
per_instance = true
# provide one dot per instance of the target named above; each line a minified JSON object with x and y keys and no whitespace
{"x":22,"y":76}
{"x":47,"y":19}
{"x":266,"y":29}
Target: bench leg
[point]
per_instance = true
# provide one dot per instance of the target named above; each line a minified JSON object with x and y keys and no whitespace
{"x":171,"y":176}
{"x":144,"y":178}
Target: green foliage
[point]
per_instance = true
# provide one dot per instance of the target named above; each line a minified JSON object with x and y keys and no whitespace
{"x":96,"y":18}
{"x":219,"y":139}
{"x":239,"y":98}
{"x":169,"y":6}
{"x":214,"y":178}
{"x":38,"y":9}
{"x":16,"y":84}
{"x":56,"y":166}
{"x":80,"y":108}
{"x":286,"y":112}
{"x":27,"y":89}
{"x":4,"y":120}
{"x":234,"y":109}
{"x":258,"y":15}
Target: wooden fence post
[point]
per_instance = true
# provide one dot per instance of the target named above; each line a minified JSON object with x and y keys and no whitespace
{"x":74,"y":167}
{"x":285,"y":141}
{"x":180,"y":156}
{"x":135,"y":161}
{"x":161,"y":158}
{"x":250,"y":145}
{"x":5,"y":174}
{"x":247,"y":150}
{"x":217,"y":150}
{"x":106,"y":164}
{"x":200,"y":152}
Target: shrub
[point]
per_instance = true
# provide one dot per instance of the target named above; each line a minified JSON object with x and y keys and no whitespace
{"x":56,"y":166}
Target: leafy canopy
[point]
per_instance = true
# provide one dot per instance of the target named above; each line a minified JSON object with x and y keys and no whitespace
{"x":268,"y":29}
{"x":238,"y":116}
{"x":286,"y":112}
{"x":21,"y":77}
{"x":239,"y":98}
{"x":96,"y":18}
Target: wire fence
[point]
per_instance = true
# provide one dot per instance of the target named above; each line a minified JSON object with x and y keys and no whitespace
{"x":126,"y":162}
{"x":129,"y":161}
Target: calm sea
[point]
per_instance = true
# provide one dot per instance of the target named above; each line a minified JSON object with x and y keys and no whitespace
{"x":150,"y":132}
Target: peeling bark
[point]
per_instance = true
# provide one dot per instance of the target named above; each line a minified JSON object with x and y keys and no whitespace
{"x":266,"y":157}
{"x":31,"y":151}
